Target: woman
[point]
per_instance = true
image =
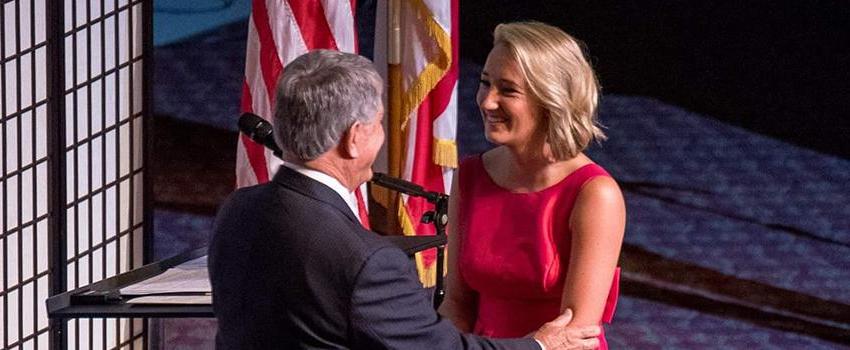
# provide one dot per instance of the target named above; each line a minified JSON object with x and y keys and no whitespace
{"x":537,"y":226}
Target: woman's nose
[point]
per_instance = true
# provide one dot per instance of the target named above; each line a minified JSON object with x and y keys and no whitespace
{"x":488,"y":99}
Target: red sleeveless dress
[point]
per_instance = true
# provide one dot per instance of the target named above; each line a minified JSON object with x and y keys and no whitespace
{"x":516,"y":250}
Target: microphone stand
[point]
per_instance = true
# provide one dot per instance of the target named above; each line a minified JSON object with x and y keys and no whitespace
{"x":439,"y":218}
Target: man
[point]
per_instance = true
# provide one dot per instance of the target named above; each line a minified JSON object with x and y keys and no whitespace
{"x":290,"y":264}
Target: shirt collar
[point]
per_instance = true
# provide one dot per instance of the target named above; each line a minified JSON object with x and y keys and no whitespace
{"x":329,"y":181}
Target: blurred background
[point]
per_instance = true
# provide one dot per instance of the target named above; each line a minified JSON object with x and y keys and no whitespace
{"x":728,"y":131}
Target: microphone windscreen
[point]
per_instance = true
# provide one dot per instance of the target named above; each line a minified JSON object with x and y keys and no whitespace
{"x":250,"y":123}
{"x":259,"y":130}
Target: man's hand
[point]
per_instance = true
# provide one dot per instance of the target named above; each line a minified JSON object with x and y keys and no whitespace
{"x":559,"y":335}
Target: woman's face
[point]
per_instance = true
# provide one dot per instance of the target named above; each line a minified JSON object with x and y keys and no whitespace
{"x":511,"y":115}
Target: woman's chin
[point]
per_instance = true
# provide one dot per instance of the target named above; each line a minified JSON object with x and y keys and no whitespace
{"x":495,"y":137}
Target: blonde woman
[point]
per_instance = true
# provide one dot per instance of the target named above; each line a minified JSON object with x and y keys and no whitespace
{"x":537,"y":225}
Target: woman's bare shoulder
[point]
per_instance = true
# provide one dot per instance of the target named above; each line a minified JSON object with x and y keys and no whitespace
{"x":600,"y":194}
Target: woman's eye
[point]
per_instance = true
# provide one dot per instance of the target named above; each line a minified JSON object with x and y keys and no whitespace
{"x":510,"y":92}
{"x":483,"y":82}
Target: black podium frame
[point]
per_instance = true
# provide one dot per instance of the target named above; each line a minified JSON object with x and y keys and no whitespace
{"x":103,"y":299}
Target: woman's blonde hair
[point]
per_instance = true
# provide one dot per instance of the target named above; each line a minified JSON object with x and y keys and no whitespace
{"x":560,"y":78}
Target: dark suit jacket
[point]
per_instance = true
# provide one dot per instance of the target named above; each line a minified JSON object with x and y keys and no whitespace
{"x":292,"y":268}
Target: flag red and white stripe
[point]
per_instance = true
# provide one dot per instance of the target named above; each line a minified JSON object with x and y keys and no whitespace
{"x":278,"y":32}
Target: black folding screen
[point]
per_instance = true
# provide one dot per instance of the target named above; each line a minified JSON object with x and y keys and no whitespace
{"x":73,"y":132}
{"x":24,"y":241}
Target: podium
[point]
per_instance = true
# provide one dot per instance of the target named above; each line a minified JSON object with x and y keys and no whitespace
{"x":105,"y":298}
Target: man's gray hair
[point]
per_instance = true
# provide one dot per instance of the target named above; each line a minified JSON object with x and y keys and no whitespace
{"x":319,"y":96}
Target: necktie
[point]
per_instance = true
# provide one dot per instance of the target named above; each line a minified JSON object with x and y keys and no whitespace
{"x":361,"y":209}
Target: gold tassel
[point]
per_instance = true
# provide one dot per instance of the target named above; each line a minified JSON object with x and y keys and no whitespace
{"x":445,"y":153}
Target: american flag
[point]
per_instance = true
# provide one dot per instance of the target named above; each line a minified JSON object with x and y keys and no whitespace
{"x":278,"y":32}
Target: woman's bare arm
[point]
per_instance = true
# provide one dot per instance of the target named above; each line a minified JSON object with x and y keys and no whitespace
{"x":598,"y":223}
{"x":460,"y":304}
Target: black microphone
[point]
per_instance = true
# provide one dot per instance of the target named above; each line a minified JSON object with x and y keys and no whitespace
{"x":259,"y":131}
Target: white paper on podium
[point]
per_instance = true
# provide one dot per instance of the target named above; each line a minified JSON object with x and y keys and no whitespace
{"x":204,"y":299}
{"x":189,"y":277}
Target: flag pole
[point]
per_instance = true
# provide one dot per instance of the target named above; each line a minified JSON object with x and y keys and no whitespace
{"x":390,"y":199}
{"x":395,"y":88}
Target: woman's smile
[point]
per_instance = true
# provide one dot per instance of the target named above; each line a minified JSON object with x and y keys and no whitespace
{"x":492,"y":119}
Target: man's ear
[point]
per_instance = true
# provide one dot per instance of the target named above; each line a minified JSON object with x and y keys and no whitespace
{"x":351,"y":139}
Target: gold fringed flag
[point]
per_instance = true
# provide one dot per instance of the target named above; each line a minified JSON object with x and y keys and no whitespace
{"x":423,"y":108}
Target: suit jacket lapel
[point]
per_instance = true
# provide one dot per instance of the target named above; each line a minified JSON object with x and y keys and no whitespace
{"x":297,"y":182}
